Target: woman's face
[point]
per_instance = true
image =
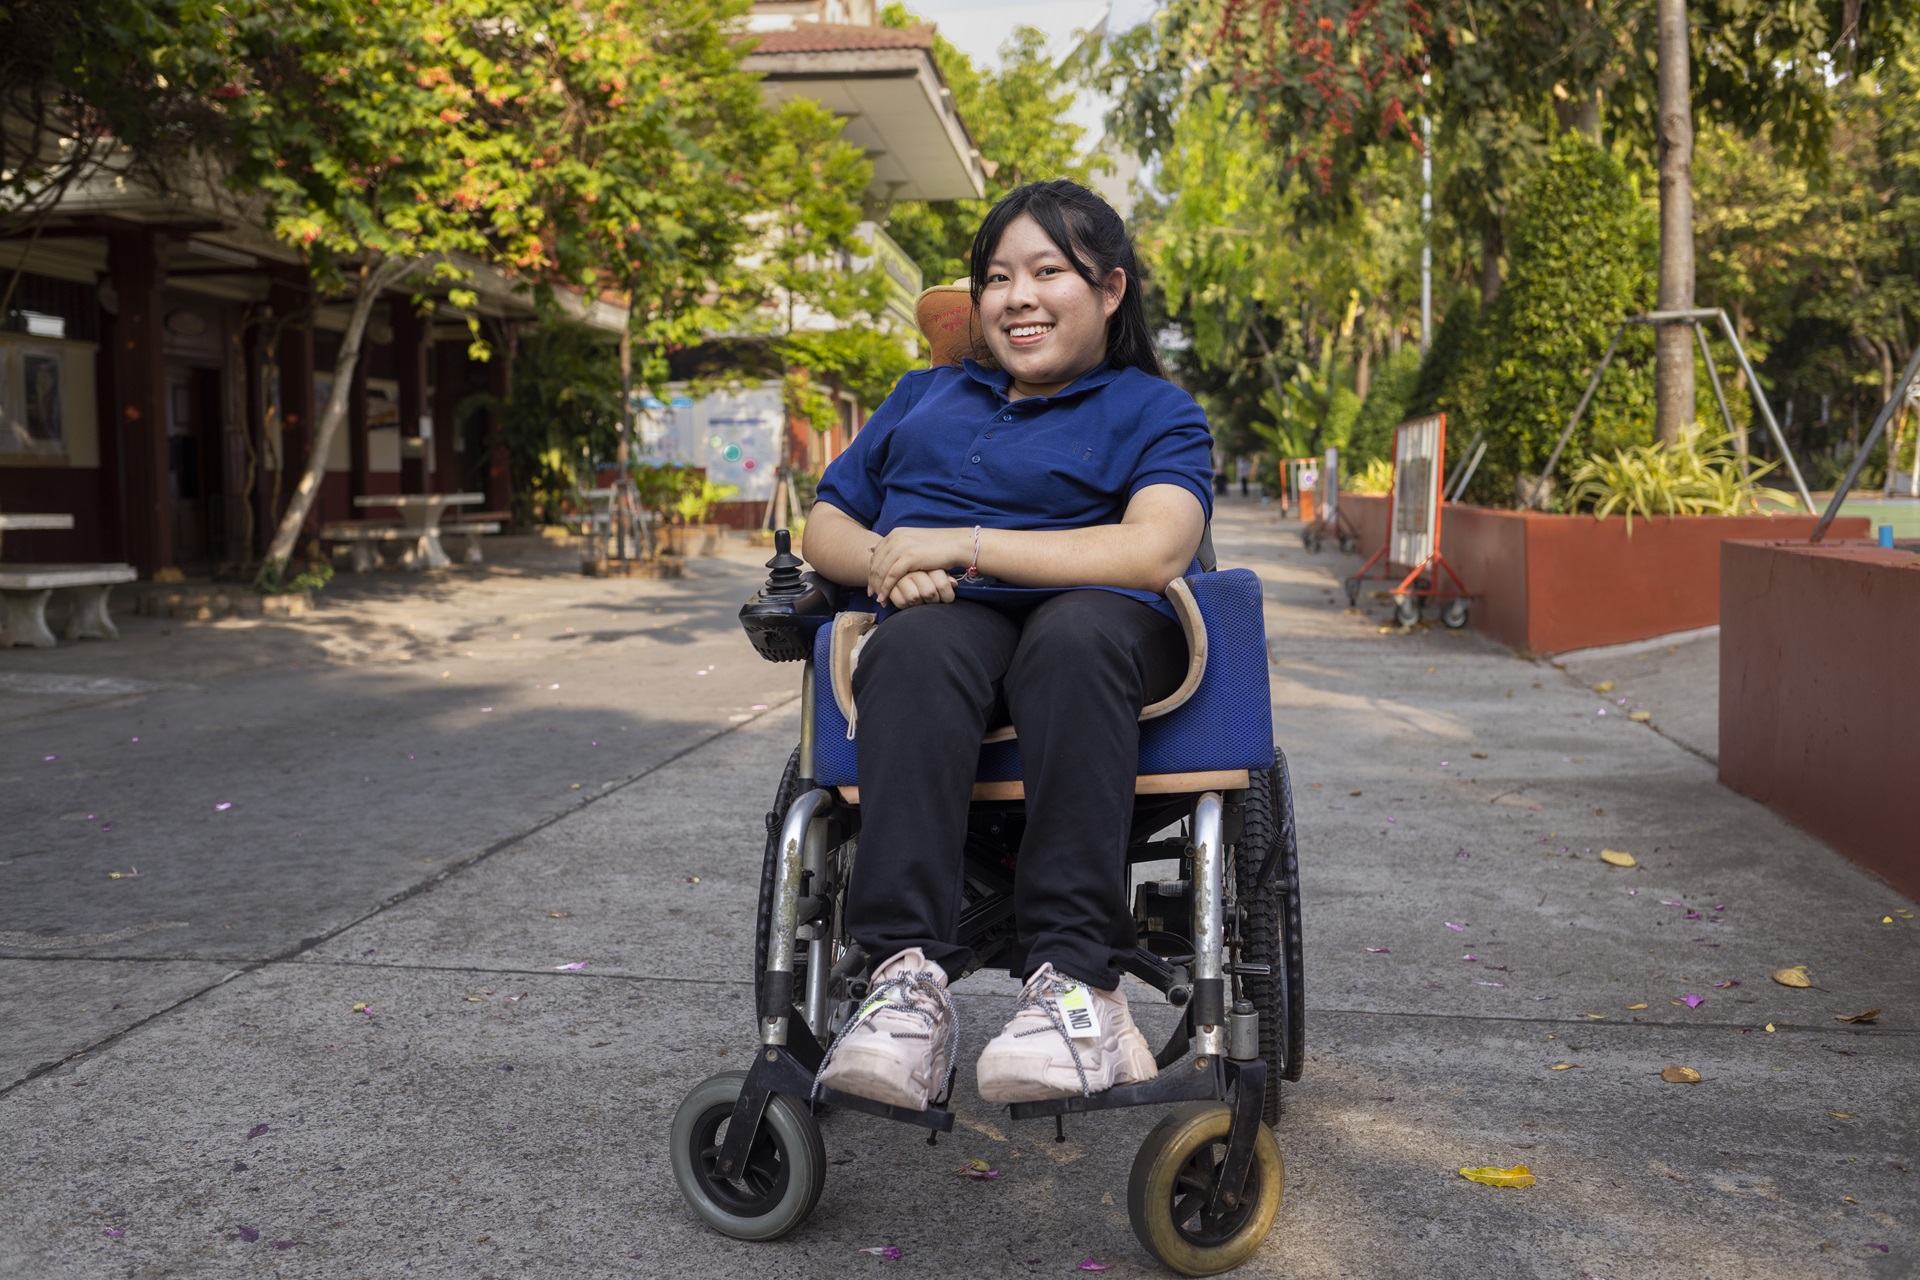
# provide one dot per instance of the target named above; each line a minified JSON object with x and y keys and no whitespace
{"x":1044,"y":324}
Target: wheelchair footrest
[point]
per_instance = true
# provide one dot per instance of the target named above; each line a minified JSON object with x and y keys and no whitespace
{"x":937,"y":1118}
{"x":1198,"y":1080}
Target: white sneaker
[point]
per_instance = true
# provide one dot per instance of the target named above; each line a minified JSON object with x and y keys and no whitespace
{"x":1065,"y":1038}
{"x":898,"y":1047}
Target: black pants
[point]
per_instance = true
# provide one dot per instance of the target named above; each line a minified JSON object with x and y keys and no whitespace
{"x":1071,"y":674}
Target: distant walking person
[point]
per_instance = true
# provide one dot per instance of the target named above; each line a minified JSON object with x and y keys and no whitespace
{"x":1245,"y":469}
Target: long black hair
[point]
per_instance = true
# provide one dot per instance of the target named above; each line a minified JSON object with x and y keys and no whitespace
{"x":1087,"y":230}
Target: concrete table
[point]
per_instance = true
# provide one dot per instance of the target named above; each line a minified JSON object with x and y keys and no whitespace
{"x":420,"y":515}
{"x":27,"y":587}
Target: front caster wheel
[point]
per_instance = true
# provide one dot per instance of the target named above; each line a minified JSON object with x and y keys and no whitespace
{"x":786,"y":1168}
{"x":1406,"y":610}
{"x":1453,"y":614}
{"x":1170,"y":1193}
{"x":1348,"y":546}
{"x":1353,"y":592}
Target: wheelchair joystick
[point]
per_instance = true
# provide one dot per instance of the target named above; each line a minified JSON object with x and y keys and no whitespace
{"x":782,"y":616}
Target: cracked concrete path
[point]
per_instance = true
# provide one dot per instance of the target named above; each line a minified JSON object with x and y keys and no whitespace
{"x":387,"y":1073}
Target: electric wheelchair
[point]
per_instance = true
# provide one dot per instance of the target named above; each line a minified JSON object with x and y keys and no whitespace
{"x":1221,"y":940}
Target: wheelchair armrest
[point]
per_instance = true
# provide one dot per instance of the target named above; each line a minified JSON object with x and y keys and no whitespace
{"x":782,"y":616}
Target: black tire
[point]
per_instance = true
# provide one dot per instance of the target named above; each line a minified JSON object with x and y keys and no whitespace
{"x":783,"y":799}
{"x":1314,"y":544}
{"x":786,"y":1168}
{"x":1169,"y":1184}
{"x":1353,"y":592}
{"x":1348,"y":545}
{"x":1269,"y":927}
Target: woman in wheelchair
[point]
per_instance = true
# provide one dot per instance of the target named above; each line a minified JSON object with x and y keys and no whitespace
{"x":1017,"y":519}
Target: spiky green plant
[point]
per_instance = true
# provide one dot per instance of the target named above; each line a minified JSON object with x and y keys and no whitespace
{"x":1698,"y":474}
{"x":1375,"y":477}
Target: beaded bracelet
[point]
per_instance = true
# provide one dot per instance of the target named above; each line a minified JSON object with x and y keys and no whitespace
{"x":973,"y":570}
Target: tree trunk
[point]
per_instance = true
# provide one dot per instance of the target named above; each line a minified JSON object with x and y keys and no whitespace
{"x":1673,"y":349}
{"x":1363,"y":369}
{"x":375,"y":275}
{"x":1489,"y":263}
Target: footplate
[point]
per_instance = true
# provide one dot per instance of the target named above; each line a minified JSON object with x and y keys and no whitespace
{"x":938,"y":1119}
{"x":1202,"y":1079}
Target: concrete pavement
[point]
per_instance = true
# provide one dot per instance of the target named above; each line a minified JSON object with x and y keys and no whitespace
{"x":487,"y":1114}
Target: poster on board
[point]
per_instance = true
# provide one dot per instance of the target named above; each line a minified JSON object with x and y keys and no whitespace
{"x":743,"y":439}
{"x":1417,"y":456}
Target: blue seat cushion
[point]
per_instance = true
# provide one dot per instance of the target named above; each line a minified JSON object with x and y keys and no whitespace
{"x":1226,"y":724}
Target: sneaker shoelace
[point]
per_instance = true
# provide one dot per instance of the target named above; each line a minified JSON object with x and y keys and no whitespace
{"x":1043,"y":992}
{"x":900,"y":990}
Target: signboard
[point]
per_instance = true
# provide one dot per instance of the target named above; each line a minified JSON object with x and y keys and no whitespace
{"x":742,"y":432}
{"x":1414,"y":525}
{"x":1330,"y":488}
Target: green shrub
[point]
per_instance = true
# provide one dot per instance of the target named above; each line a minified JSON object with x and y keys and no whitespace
{"x":1583,"y":247}
{"x":1387,"y":406}
{"x":1699,"y":474}
{"x":1375,"y":477}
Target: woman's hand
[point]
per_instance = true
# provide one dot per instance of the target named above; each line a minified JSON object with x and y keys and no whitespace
{"x":927,"y":586}
{"x":907,"y":552}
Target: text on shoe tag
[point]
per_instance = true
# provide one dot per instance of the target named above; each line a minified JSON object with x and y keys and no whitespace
{"x":1080,"y":1012}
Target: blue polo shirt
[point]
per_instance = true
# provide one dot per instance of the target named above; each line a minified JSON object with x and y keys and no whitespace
{"x":947,"y":449}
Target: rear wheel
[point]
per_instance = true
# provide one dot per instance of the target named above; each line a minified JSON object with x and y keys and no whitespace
{"x":1268,"y":933}
{"x":1454,"y":614}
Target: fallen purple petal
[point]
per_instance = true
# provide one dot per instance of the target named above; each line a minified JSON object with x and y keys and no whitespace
{"x":249,"y":1234}
{"x":1693,"y":915}
{"x":1666,"y":903}
{"x":285,"y":1244}
{"x":1498,"y":968}
{"x":1457,"y":928}
{"x":1445,"y":763}
{"x":1482,"y":982}
{"x":1693,"y":1002}
{"x":1730,"y":982}
{"x":116,"y":1232}
{"x":1469,"y":956}
{"x":1868,"y":1244}
{"x":1392,"y":819}
{"x":891,"y":1252}
{"x":223,"y":806}
{"x":1543,"y":997}
{"x":50,"y":757}
{"x":258,"y":1130}
{"x":1378,"y":951}
{"x":1088,"y":1264}
{"x":1602,"y":711}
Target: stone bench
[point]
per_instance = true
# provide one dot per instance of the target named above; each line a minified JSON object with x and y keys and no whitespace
{"x":26,"y":588}
{"x":471,"y":525}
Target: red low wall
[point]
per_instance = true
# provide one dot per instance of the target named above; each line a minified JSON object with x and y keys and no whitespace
{"x":1553,"y":583}
{"x":1820,"y":696}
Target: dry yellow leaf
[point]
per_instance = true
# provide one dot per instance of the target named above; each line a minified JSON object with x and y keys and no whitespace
{"x":1869,"y":1016}
{"x":1769,"y":1027}
{"x":1597,"y":1017}
{"x":1518,"y":1176}
{"x":1563,"y":1066}
{"x":1605,"y":686}
{"x":1479,"y":755}
{"x":1841,"y":1115}
{"x":1794,"y":977}
{"x":1618,"y":858}
{"x":1676,"y":1074}
{"x":1639,"y":717}
{"x":1641,"y":1005}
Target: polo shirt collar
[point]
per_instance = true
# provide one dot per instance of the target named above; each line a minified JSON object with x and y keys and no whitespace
{"x":999,"y":380}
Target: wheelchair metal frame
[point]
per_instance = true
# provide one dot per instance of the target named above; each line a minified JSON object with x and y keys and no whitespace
{"x":1226,"y":1066}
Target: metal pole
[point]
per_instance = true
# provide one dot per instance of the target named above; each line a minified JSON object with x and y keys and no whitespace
{"x":1713,"y":376}
{"x":1459,"y":486}
{"x":1466,"y":476}
{"x":1426,"y":229}
{"x":1593,"y":384}
{"x":1873,"y":437}
{"x":621,"y":453}
{"x":1766,"y":411}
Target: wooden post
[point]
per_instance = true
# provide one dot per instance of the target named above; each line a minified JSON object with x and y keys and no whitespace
{"x":138,"y":274}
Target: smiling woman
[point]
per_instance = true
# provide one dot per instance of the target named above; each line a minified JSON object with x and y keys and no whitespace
{"x":1018,"y":522}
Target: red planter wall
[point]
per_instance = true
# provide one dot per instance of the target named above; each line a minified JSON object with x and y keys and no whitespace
{"x":1819,"y":694}
{"x":1553,"y":583}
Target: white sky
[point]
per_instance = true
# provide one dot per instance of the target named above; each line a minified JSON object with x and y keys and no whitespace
{"x":980,"y":29}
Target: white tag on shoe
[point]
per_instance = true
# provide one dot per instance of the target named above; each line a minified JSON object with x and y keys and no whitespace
{"x":1081,"y":1013}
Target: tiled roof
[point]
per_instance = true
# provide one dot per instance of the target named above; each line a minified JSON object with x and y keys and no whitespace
{"x":820,"y":37}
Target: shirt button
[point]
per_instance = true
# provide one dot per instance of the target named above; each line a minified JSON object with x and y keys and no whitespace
{"x":1006,"y":417}
{"x":976,"y":457}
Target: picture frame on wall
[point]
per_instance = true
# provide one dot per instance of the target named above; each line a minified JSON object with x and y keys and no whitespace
{"x":32,"y":400}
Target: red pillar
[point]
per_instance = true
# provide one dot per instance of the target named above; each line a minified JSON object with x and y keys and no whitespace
{"x":297,"y":416}
{"x":500,"y":385}
{"x":449,"y":385}
{"x":139,"y":398}
{"x":411,"y":338}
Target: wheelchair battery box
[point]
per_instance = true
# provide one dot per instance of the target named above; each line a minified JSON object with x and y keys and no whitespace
{"x":1157,"y":901}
